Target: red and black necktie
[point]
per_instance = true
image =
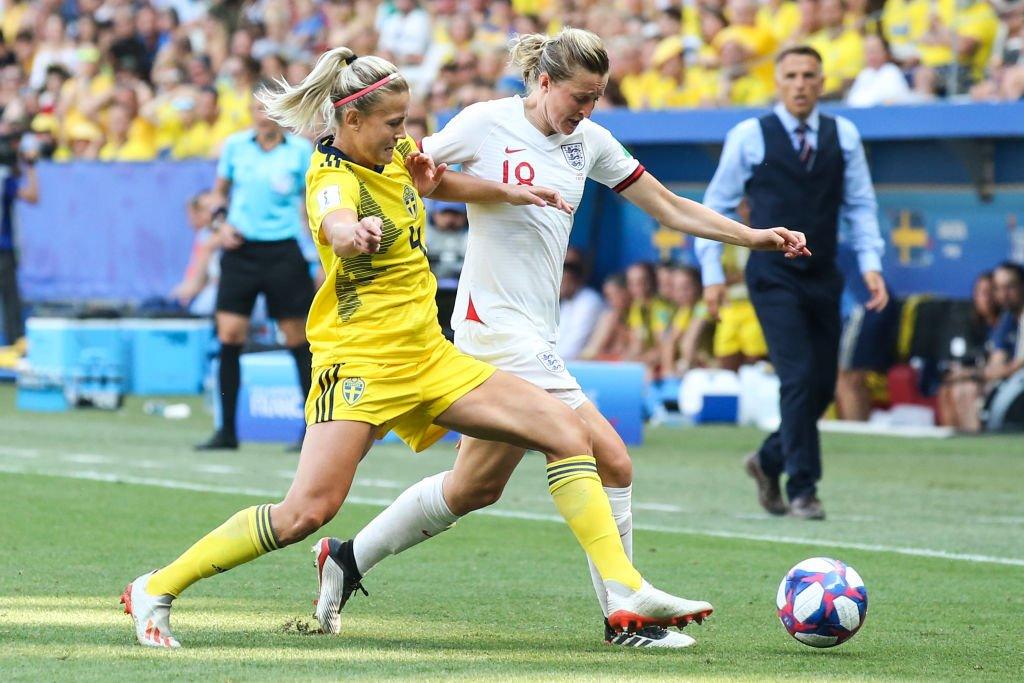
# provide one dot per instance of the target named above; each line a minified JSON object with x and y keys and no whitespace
{"x":806,"y":149}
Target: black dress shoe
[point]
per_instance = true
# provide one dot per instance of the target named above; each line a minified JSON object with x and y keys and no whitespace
{"x":219,"y":442}
{"x":769,"y":494}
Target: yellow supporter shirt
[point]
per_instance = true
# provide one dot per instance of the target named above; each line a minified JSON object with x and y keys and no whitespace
{"x":751,"y":90}
{"x":99,"y":85}
{"x":235,"y":107}
{"x":535,"y":7}
{"x":758,"y":40}
{"x":131,"y":150}
{"x":13,"y":16}
{"x":372,"y":307}
{"x":782,"y":22}
{"x":685,"y":315}
{"x":168,"y":126}
{"x":919,"y":15}
{"x":734,"y":262}
{"x":143,"y":134}
{"x":896,"y":24}
{"x":649,"y":320}
{"x":842,"y":57}
{"x":632,"y":87}
{"x":663,"y":92}
{"x":978,"y":22}
{"x":201,"y":139}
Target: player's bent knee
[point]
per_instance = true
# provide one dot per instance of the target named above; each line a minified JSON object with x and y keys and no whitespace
{"x":615,"y":466}
{"x":463,"y":500}
{"x":572,"y":437}
{"x":489,"y":494}
{"x":293,"y":526}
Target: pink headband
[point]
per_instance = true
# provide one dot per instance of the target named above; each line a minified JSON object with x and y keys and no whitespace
{"x":368,"y":89}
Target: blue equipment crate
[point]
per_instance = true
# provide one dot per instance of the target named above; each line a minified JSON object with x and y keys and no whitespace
{"x":56,"y":344}
{"x":41,"y":392}
{"x":167,"y":356}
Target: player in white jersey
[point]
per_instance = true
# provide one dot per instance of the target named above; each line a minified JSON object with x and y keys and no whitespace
{"x":506,"y":311}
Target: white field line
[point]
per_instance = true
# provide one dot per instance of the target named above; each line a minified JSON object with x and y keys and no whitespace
{"x":540,"y":517}
{"x":86,"y":458}
{"x":214,"y":468}
{"x":19,"y":452}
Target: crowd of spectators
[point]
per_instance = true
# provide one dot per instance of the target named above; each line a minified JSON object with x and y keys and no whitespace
{"x":654,"y":314}
{"x":141,"y":79}
{"x":651,"y":313}
{"x":998,"y":318}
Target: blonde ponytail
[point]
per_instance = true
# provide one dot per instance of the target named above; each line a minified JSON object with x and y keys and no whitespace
{"x":337,"y":74}
{"x":559,"y":56}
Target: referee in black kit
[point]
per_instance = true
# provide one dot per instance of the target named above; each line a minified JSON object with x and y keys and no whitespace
{"x":807,"y":171}
{"x":263,"y":171}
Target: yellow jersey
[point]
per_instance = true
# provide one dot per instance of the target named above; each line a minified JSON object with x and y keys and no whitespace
{"x":649,"y":320}
{"x":202,"y":139}
{"x":685,"y":315}
{"x":372,"y":307}
{"x":782,"y":21}
{"x":842,"y":56}
{"x":130,"y":150}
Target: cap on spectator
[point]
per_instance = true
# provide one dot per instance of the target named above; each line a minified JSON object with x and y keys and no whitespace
{"x":45,"y":123}
{"x":85,"y":130}
{"x":667,"y":49}
{"x":439,"y":206}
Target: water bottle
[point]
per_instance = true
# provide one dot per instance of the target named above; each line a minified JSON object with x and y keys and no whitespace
{"x":154,"y":408}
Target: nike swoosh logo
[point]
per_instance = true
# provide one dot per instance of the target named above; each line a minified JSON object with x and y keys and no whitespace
{"x":509,"y":150}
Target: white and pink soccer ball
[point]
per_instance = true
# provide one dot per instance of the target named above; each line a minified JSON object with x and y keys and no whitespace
{"x":822,"y":602}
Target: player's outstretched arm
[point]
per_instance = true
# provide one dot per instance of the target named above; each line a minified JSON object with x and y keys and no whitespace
{"x":348,"y":235}
{"x":440,"y":183}
{"x":685,"y":215}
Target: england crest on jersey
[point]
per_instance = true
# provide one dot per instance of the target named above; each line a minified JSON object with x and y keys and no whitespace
{"x":574,"y":155}
{"x":551,"y":362}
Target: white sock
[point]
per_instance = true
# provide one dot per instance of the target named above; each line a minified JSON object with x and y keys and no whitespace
{"x":416,"y":515}
{"x":622,"y":511}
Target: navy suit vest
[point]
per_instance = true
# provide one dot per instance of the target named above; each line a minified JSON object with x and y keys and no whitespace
{"x":783,"y":192}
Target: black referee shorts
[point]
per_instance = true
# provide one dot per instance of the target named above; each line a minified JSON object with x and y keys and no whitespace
{"x":276,"y":269}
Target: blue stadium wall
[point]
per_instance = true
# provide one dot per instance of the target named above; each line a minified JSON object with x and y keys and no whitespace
{"x":950,"y":182}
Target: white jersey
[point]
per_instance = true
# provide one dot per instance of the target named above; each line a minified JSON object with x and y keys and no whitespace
{"x":513,"y":267}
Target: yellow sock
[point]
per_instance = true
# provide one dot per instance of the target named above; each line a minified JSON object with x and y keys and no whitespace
{"x":576,"y":490}
{"x":245,"y":536}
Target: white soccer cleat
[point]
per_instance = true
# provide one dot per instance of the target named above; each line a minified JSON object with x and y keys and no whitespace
{"x":630,"y":610}
{"x":151,"y":613}
{"x":336,"y":581}
{"x":651,"y":636}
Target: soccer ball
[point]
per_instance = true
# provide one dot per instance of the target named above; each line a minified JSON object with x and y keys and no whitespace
{"x":822,"y":602}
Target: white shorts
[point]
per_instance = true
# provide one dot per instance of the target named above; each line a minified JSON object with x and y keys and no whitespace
{"x":523,"y":355}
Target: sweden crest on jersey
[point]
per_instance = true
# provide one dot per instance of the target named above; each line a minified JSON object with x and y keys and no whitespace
{"x":409,"y":198}
{"x":574,"y":155}
{"x":352,"y":389}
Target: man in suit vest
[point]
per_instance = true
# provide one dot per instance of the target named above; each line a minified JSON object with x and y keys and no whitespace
{"x":803,"y":169}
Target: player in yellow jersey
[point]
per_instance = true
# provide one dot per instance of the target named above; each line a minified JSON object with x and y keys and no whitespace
{"x":381,"y":362}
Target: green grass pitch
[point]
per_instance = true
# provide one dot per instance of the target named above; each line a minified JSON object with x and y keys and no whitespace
{"x":90,"y":500}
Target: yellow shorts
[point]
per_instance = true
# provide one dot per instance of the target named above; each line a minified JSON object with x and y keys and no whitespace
{"x":738,"y":331}
{"x":405,"y":397}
